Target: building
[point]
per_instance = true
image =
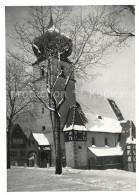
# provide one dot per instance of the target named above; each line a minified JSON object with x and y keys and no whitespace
{"x":18,"y":146}
{"x":96,"y":144}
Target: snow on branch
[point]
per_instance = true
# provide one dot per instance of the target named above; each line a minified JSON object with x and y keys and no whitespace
{"x":36,"y":93}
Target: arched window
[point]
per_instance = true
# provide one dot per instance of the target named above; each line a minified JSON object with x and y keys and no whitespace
{"x":93,"y":141}
{"x":62,"y":68}
{"x":106,"y":143}
{"x":42,"y":71}
{"x":43,"y":128}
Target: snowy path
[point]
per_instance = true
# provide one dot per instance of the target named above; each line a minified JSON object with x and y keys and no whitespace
{"x":37,"y":179}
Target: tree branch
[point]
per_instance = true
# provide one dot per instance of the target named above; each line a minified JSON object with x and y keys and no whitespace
{"x":36,"y":93}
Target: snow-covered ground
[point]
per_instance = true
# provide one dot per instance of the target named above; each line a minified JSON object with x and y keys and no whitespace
{"x":44,"y":179}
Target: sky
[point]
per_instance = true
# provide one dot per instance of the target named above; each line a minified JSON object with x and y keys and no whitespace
{"x":117,"y":81}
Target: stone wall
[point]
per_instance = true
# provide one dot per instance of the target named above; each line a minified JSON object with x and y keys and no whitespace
{"x":99,"y":137}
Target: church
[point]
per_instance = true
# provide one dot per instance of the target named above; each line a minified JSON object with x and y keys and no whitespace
{"x":97,"y":142}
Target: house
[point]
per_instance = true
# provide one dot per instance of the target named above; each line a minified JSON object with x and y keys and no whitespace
{"x":18,"y":146}
{"x":38,"y":150}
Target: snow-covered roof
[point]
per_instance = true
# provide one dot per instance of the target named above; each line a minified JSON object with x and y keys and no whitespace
{"x":130,"y":140}
{"x":41,"y":139}
{"x":106,"y":125}
{"x":106,"y":151}
{"x":53,"y":28}
{"x":75,"y":127}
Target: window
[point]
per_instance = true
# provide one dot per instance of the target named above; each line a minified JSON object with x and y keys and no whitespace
{"x":13,"y":153}
{"x":93,"y":141}
{"x":70,"y":136}
{"x":119,"y":137}
{"x":106,"y":143}
{"x":66,"y":136}
{"x":75,"y":135}
{"x":84,"y":136}
{"x":80,"y":135}
{"x":62,"y":68}
{"x":42,"y":110}
{"x":22,"y":153}
{"x":18,"y":141}
{"x":43,"y":128}
{"x":42,"y":71}
{"x":79,"y":147}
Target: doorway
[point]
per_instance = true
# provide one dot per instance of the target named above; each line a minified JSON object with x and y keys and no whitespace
{"x":32,"y":159}
{"x":44,"y":159}
{"x":92,"y":163}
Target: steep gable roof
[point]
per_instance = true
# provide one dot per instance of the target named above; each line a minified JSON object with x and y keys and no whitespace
{"x":17,"y":128}
{"x":75,"y":119}
{"x":41,"y":139}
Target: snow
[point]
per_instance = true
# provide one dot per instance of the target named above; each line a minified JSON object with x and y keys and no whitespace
{"x":106,"y":125}
{"x":53,"y":28}
{"x":123,"y":121}
{"x":75,"y":127}
{"x":65,"y":36}
{"x":41,"y":139}
{"x":107,"y":151}
{"x":130,"y":141}
{"x":32,"y":179}
{"x":103,"y":125}
{"x":36,"y":47}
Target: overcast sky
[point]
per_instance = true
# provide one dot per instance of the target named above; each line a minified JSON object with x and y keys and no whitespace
{"x":117,"y":80}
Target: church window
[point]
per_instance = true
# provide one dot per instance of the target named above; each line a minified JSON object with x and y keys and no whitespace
{"x":84,"y":136}
{"x":93,"y":141}
{"x":70,"y":136}
{"x":119,"y":138}
{"x":79,"y":147}
{"x":80,"y":135}
{"x":62,"y":68}
{"x":75,"y":135}
{"x":42,"y":71}
{"x":106,"y":142}
{"x":43,"y":128}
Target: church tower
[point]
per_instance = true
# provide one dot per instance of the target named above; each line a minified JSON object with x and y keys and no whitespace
{"x":59,"y":47}
{"x":76,"y":138}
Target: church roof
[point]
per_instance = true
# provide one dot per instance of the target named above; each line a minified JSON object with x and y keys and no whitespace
{"x":75,"y":119}
{"x":41,"y":139}
{"x":104,"y":124}
{"x":106,"y":151}
{"x":53,"y":43}
{"x":17,"y":127}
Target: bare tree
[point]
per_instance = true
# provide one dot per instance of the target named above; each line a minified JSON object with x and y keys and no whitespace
{"x":16,"y":102}
{"x":115,"y":24}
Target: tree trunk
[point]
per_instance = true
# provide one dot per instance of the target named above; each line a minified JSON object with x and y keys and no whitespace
{"x":8,"y":145}
{"x":58,"y":170}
